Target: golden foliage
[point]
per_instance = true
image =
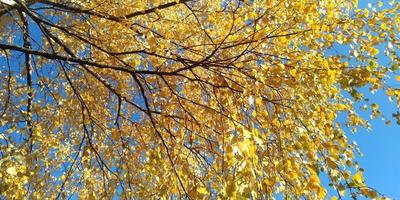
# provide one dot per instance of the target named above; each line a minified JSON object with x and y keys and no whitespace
{"x":200,"y":99}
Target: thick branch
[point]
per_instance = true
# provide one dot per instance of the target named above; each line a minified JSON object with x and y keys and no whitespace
{"x":112,"y":17}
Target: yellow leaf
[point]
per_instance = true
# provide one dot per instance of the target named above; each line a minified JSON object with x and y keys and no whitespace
{"x":321,"y":193}
{"x":358,"y":179}
{"x":397,"y":78}
{"x":369,"y":193}
{"x":293,"y":72}
{"x":152,"y":43}
{"x":91,"y":196}
{"x":244,"y":146}
{"x":366,"y":13}
{"x":115,"y":134}
{"x":331,"y":162}
{"x":230,"y":189}
{"x":355,"y":2}
{"x":292,"y":175}
{"x":12,"y":171}
{"x":136,"y":62}
{"x":330,"y":38}
{"x":374,"y":51}
{"x":341,"y":189}
{"x":390,"y":92}
{"x":202,"y":190}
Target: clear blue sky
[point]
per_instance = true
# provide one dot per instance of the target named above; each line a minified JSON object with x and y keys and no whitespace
{"x":381,"y":149}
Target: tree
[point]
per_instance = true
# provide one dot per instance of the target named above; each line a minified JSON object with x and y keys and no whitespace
{"x":188,"y":99}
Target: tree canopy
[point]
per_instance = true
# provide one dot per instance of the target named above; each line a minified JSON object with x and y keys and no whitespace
{"x":192,"y":99}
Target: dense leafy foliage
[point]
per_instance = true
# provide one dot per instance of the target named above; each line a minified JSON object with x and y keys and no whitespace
{"x":197,"y":99}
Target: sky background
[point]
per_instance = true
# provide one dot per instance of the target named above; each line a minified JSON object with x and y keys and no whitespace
{"x":380,"y":146}
{"x":381,"y":149}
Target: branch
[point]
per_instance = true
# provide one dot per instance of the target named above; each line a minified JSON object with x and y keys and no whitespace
{"x":163,"y":6}
{"x":28,"y":67}
{"x":112,"y":17}
{"x":62,"y":58}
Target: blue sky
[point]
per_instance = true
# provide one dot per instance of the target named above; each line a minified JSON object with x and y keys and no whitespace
{"x":381,"y":151}
{"x":380,"y":146}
